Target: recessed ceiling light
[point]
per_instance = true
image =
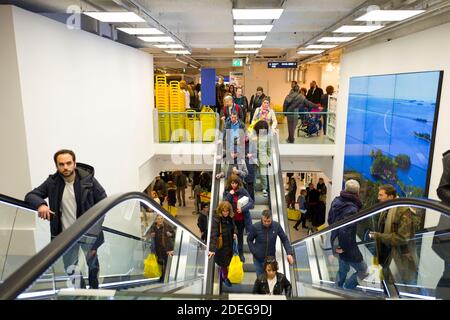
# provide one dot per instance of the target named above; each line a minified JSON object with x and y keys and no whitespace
{"x":248,"y":46}
{"x":252,"y":28}
{"x":389,"y":15}
{"x":310,"y":51}
{"x":336,"y":39}
{"x":157,"y":39}
{"x":249,"y":38}
{"x":257,"y":14}
{"x":357,"y":29}
{"x":321,"y":46}
{"x":141,"y":31}
{"x":177,"y":51}
{"x":245,"y":51}
{"x":115,"y":16}
{"x":169,"y":46}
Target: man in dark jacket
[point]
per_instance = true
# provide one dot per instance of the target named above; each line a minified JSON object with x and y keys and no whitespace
{"x":343,"y":240}
{"x":256,"y":101}
{"x":242,"y":102}
{"x":262,"y":239}
{"x":71,"y":191}
{"x":441,"y":240}
{"x":292,"y":103}
{"x":314,"y":93}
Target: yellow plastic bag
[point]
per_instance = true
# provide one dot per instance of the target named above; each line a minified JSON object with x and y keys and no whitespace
{"x":293,"y":214}
{"x":151,"y":267}
{"x":172,"y":210}
{"x":236,"y":270}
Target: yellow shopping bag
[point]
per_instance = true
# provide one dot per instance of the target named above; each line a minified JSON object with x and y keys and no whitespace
{"x":236,"y":270}
{"x":172,"y":210}
{"x":293,"y":214}
{"x":151,"y":267}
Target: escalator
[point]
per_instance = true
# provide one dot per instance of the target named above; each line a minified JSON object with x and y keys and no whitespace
{"x":121,"y":256}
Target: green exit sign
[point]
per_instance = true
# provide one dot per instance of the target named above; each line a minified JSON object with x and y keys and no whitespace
{"x":238,"y":62}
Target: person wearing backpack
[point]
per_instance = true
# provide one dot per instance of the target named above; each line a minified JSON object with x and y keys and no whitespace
{"x":395,"y":240}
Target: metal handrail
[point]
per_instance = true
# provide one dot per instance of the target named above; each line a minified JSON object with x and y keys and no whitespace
{"x":25,"y":275}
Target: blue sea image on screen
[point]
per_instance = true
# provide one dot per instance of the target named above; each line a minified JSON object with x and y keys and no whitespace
{"x":394,"y":114}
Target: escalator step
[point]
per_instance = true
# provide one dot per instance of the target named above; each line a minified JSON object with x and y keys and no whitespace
{"x":249,"y":267}
{"x":238,"y":288}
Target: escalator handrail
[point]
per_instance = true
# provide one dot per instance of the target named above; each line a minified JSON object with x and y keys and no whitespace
{"x":214,"y":201}
{"x":25,"y":275}
{"x":416,"y":202}
{"x":16,"y":202}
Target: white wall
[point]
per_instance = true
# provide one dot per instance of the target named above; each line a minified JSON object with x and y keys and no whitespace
{"x":14,"y":172}
{"x":422,"y":51}
{"x":86,"y":93}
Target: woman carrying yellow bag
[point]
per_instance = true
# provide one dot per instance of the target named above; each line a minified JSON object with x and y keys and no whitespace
{"x":236,"y":267}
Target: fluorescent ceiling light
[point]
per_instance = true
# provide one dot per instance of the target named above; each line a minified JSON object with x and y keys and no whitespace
{"x":257,"y":14}
{"x":321,"y":46}
{"x":115,"y":16}
{"x":157,"y":39}
{"x":249,"y":38}
{"x":310,"y":51}
{"x":177,"y":51}
{"x":389,"y":15}
{"x":252,"y":28}
{"x":169,"y":46}
{"x":336,"y":39}
{"x":357,"y":29}
{"x":192,"y":66}
{"x":248,"y":46}
{"x":141,"y":31}
{"x":245,"y":51}
{"x":184,"y":62}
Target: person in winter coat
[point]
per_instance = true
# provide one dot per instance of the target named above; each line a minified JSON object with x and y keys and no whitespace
{"x":242,"y":102}
{"x":160,"y":187}
{"x":163,"y":236}
{"x":228,"y":107}
{"x":71,"y":191}
{"x":256,"y":101}
{"x":292,"y":103}
{"x":292,"y":191}
{"x":271,"y":281}
{"x":395,"y":240}
{"x":202,"y":221}
{"x":324,"y":104}
{"x":242,"y":215}
{"x":223,"y":233}
{"x":261,"y":138}
{"x":249,"y":180}
{"x":343,"y":240}
{"x":441,"y":240}
{"x":181,"y":182}
{"x":265,"y":113}
{"x":262,"y":240}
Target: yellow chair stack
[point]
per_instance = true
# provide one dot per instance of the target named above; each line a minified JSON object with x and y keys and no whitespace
{"x":162,"y":105}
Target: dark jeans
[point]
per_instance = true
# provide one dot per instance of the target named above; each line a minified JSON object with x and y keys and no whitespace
{"x":250,"y":187}
{"x":70,"y":260}
{"x":240,"y":236}
{"x":344,"y":268}
{"x":259,"y":265}
{"x":292,"y":124}
{"x":324,"y":124}
{"x":302,"y":220}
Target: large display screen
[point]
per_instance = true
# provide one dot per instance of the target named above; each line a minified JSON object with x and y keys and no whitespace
{"x":390,"y":132}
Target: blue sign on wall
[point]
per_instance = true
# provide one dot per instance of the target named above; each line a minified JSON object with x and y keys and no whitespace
{"x":208,"y":86}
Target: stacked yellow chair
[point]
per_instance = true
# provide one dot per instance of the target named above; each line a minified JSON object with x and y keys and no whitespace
{"x":278,"y":108}
{"x":162,"y":105}
{"x":177,"y":104}
{"x":208,"y":121}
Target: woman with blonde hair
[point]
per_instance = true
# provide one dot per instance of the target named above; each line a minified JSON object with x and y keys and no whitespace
{"x":187,"y":95}
{"x":223,"y":232}
{"x":265,"y":113}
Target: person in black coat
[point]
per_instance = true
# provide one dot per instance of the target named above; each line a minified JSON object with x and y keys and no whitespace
{"x":292,"y":103}
{"x":222,"y":227}
{"x":202,"y":221}
{"x":272,"y":282}
{"x":314,"y":93}
{"x":256,"y":101}
{"x":71,"y":191}
{"x":441,"y":239}
{"x":343,"y":239}
{"x":163,"y":236}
